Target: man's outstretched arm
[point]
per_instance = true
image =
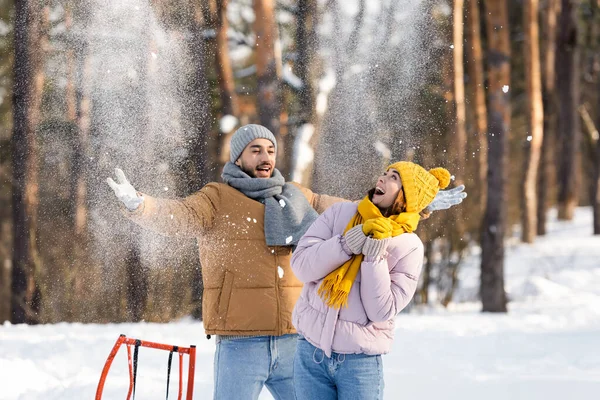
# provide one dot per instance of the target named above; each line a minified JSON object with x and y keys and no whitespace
{"x":180,"y":217}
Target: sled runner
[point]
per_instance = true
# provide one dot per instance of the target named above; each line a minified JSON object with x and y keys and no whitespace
{"x":133,"y":364}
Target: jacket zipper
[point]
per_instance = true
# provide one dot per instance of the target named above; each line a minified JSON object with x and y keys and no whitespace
{"x":279,"y":328}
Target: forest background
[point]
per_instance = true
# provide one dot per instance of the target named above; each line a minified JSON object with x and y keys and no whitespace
{"x":504,"y":93}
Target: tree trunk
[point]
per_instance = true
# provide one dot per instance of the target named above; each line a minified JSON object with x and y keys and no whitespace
{"x":27,"y":94}
{"x":475,"y":65}
{"x":546,"y":175}
{"x":596,"y":180}
{"x":306,"y":46}
{"x":456,"y":231}
{"x":268,"y":70}
{"x":493,"y":296}
{"x":426,"y":274}
{"x":460,"y":134}
{"x":78,"y":114}
{"x":536,"y":120}
{"x":136,"y":272}
{"x":5,"y":269}
{"x":567,"y":74}
{"x":137,"y":282}
{"x":228,"y":95}
{"x":596,"y":189}
{"x":199,"y":114}
{"x":197,"y":109}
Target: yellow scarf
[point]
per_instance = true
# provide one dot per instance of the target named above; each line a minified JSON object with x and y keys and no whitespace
{"x":336,"y":286}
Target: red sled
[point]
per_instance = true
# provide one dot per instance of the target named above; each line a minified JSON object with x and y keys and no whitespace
{"x":191,"y":351}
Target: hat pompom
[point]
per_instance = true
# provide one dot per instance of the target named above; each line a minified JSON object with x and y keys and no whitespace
{"x":442,"y":175}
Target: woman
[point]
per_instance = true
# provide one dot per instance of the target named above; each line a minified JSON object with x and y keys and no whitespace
{"x":360,"y":264}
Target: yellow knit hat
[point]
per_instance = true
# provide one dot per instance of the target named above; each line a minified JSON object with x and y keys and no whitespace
{"x":420,"y":186}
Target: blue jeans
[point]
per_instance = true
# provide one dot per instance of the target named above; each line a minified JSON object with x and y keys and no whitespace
{"x":343,"y":376}
{"x":244,"y":365}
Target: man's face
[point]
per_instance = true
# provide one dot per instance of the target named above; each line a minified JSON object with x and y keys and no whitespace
{"x":258,"y":158}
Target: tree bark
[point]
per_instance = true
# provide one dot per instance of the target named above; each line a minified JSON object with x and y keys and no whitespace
{"x":228,"y":95}
{"x":5,"y":269}
{"x":306,"y":47}
{"x":136,"y":272}
{"x":535,"y":115}
{"x":475,"y":64}
{"x":567,"y":74}
{"x":596,"y":180}
{"x":460,"y":134}
{"x":493,"y":296}
{"x":27,"y":93}
{"x":596,"y":189}
{"x":197,"y":108}
{"x":426,"y":274}
{"x":268,"y":70}
{"x":137,"y":283}
{"x":78,"y":114}
{"x":546,"y":173}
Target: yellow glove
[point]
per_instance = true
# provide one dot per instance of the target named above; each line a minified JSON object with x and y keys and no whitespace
{"x":378,"y":228}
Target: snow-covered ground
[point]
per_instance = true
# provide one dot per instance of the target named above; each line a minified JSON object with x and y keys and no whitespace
{"x":546,"y":347}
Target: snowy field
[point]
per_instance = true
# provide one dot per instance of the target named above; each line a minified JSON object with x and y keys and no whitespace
{"x":546,"y":347}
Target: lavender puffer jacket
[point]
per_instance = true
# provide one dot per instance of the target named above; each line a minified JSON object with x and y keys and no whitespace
{"x":381,"y":290}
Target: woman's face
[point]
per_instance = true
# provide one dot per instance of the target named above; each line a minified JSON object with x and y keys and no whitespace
{"x":387,"y":188}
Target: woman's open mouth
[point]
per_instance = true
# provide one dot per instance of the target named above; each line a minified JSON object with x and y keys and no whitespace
{"x":378,"y":192}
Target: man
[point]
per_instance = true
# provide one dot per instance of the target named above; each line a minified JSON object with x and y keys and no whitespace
{"x":246,"y":229}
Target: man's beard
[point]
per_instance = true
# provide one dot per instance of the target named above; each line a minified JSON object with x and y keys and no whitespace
{"x":252,"y":172}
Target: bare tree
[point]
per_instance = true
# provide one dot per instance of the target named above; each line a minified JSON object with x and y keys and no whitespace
{"x":546,"y":173}
{"x":493,"y":296}
{"x":28,"y":82}
{"x":567,"y":75}
{"x":535,"y":114}
{"x":475,"y":68}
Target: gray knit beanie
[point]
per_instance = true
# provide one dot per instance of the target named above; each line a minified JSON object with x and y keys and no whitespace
{"x":245,"y":135}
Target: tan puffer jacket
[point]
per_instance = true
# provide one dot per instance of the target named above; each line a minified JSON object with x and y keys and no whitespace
{"x":249,"y":287}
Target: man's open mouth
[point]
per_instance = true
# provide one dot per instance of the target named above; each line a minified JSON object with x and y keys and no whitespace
{"x":264,"y":168}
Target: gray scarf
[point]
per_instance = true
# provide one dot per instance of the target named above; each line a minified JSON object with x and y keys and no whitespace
{"x":288,"y":214}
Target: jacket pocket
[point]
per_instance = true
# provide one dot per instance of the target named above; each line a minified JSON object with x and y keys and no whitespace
{"x":224,"y":298}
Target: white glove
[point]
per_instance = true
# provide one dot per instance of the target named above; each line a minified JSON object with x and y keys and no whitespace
{"x":124,"y":191}
{"x":444,"y":199}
